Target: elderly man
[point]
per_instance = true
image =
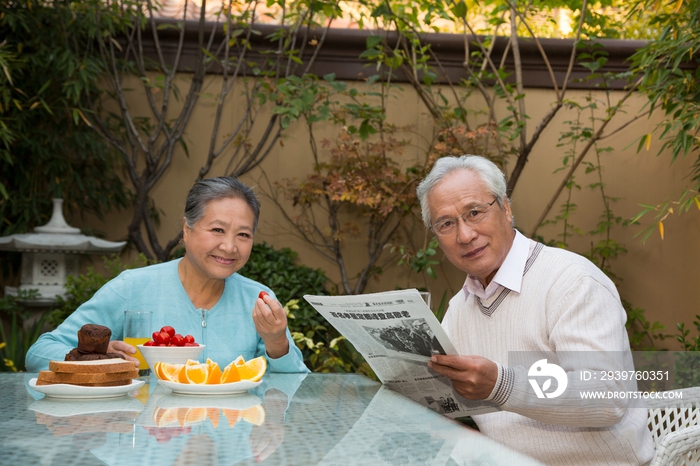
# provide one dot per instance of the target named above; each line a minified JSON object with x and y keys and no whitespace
{"x":521,"y":296}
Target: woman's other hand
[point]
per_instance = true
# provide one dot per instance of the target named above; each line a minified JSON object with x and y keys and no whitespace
{"x":118,"y":346}
{"x":270,"y":320}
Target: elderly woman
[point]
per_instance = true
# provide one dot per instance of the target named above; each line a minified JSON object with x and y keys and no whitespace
{"x":200,"y":294}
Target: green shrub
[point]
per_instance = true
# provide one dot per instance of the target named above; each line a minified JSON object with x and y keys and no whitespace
{"x":324,"y":349}
{"x":278,"y":270}
{"x":81,"y":288}
{"x":16,"y":342}
{"x":688,"y":362}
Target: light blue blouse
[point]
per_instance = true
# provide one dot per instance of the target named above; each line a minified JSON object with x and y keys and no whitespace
{"x":227,"y":329}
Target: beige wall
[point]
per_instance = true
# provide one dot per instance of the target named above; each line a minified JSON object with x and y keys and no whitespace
{"x":659,"y":276}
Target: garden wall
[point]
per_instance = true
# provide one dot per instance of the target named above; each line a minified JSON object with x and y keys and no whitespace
{"x":660,"y":276}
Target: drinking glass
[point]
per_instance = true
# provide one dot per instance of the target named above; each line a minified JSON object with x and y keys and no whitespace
{"x":137,"y":331}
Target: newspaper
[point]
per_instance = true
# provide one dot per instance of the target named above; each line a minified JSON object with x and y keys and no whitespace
{"x":396,"y":333}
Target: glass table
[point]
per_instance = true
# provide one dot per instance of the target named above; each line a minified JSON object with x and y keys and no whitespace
{"x":294,"y":419}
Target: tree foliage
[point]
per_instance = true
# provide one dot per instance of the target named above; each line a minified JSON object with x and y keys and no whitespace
{"x":485,"y":113}
{"x":47,"y":148}
{"x":130,"y":41}
{"x":361,"y":180}
{"x":670,"y":68}
{"x":324,"y":349}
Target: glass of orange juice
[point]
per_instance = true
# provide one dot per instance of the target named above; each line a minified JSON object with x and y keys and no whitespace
{"x":137,"y":331}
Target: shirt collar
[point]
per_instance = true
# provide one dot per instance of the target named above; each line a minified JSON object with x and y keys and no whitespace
{"x":509,"y":275}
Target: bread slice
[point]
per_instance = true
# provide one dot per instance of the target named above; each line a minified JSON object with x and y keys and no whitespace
{"x":80,"y":378}
{"x":103,"y":366}
{"x":113,"y":383}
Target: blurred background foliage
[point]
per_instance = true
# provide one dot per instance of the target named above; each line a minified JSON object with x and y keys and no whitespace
{"x":47,"y":148}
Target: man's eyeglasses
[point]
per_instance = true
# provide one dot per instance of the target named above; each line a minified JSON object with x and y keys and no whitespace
{"x":475,"y":215}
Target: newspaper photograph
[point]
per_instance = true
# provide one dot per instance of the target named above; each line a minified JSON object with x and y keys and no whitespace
{"x":397,"y":333}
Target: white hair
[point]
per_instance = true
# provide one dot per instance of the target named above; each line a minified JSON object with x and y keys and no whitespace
{"x":490,"y":174}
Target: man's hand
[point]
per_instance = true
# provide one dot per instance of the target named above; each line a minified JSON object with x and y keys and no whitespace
{"x":271,"y":323}
{"x":473,"y":377}
{"x":118,"y":346}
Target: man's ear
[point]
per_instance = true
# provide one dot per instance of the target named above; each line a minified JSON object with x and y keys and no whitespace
{"x":507,"y":209}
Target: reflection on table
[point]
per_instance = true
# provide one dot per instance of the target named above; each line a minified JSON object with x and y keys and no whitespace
{"x":327,"y":419}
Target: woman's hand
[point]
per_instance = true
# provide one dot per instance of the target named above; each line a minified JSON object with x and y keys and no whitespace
{"x":118,"y":346}
{"x":265,"y":439}
{"x":271,"y":323}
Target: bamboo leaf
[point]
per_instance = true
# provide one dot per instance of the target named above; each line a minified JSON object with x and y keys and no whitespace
{"x":647,"y":144}
{"x":116,"y":43}
{"x":82,"y":115}
{"x":7,"y":74}
{"x":661,"y":229}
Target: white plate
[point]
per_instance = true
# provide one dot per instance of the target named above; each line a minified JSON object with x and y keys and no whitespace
{"x":60,"y":390}
{"x":240,"y":402}
{"x":63,"y":408}
{"x":214,"y":389}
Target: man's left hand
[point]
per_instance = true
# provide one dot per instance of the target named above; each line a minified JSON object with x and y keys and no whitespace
{"x":473,"y":377}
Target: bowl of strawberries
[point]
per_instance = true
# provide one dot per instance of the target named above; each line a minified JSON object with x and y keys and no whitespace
{"x":166,"y":345}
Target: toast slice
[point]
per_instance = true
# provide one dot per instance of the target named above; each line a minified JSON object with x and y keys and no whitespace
{"x":80,"y":378}
{"x":113,"y":383}
{"x":102,"y":366}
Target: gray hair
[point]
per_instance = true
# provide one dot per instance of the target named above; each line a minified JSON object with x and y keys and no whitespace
{"x":213,"y":189}
{"x":490,"y":174}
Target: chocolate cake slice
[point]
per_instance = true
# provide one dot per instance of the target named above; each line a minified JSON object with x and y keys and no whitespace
{"x":75,"y":355}
{"x":93,"y":338}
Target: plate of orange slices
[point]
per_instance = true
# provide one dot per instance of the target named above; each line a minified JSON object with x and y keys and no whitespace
{"x":207,"y":378}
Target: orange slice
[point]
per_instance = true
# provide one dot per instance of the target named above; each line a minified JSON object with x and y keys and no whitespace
{"x":158,"y":414}
{"x":195,"y":415}
{"x":253,"y":370}
{"x":214,"y":372}
{"x":166,"y":371}
{"x":230,"y":374}
{"x":213,"y":414}
{"x":196,"y":373}
{"x":181,"y":415}
{"x":231,"y":416}
{"x":239,"y":361}
{"x":182,"y":376}
{"x":254,"y":415}
{"x":165,"y":417}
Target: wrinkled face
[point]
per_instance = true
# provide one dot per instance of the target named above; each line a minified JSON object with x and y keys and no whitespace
{"x":219,"y":244}
{"x":480,"y":249}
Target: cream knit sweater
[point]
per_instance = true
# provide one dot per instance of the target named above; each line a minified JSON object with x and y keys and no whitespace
{"x":567,"y":306}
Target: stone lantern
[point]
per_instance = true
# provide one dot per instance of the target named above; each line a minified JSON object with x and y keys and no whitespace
{"x":50,"y":255}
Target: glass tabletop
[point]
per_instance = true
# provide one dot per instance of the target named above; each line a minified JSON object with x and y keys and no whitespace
{"x":295,"y":419}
